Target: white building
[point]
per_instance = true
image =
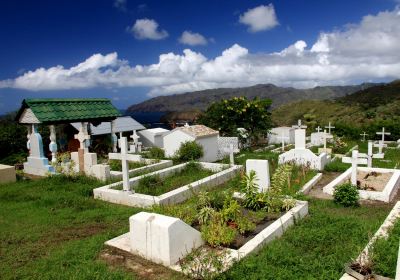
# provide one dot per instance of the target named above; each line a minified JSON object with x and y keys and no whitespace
{"x":275,"y":134}
{"x":153,"y":137}
{"x":203,"y":135}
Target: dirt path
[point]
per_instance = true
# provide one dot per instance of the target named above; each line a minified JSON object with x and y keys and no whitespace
{"x":326,"y":178}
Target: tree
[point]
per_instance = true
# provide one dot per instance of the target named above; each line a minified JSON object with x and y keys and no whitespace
{"x":230,"y":114}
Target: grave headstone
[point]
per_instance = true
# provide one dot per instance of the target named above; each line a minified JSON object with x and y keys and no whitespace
{"x":231,"y":150}
{"x":283,"y":138}
{"x":261,"y":169}
{"x":354,"y":160}
{"x":162,"y":239}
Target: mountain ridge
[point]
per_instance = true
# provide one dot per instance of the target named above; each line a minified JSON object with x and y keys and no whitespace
{"x":200,"y":100}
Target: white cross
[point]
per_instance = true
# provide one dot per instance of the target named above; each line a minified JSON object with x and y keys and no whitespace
{"x":363,"y":135}
{"x":329,"y":127}
{"x":187,"y":125}
{"x":231,"y":150}
{"x":135,"y":146}
{"x":283,"y":138}
{"x":369,"y":155}
{"x":318,"y":129}
{"x":326,"y":137}
{"x":299,"y":126}
{"x":82,"y":136}
{"x":124,"y":157}
{"x":380,"y":146}
{"x":383,"y":133}
{"x":354,"y":160}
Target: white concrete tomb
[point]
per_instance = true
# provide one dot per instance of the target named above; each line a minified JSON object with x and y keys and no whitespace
{"x":162,"y":239}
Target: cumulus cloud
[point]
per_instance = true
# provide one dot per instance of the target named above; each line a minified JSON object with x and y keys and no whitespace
{"x":147,"y":29}
{"x":367,"y":51}
{"x":192,"y":39}
{"x":260,"y":18}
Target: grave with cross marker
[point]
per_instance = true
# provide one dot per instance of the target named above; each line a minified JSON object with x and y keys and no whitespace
{"x":82,"y":137}
{"x":124,"y":157}
{"x":325,"y":138}
{"x":231,"y":150}
{"x":283,"y":138}
{"x":381,"y":143}
{"x":317,"y":138}
{"x":369,"y":155}
{"x":136,"y":146}
{"x":300,"y":155}
{"x":355,"y":160}
{"x":329,"y":127}
{"x":363,"y":135}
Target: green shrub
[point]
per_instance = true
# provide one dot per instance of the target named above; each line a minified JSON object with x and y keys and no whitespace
{"x":346,"y":195}
{"x":217,"y":233}
{"x":156,"y":153}
{"x":188,"y":151}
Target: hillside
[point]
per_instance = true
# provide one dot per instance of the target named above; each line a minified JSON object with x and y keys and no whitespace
{"x":279,"y":95}
{"x":377,"y":103}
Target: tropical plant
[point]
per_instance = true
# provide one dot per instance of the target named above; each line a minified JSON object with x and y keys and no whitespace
{"x":281,"y":178}
{"x":239,"y":112}
{"x":188,"y":151}
{"x":346,"y":195}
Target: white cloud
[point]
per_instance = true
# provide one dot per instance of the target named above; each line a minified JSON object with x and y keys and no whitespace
{"x":260,"y":18}
{"x":147,"y":29}
{"x":192,"y":39}
{"x":367,"y":51}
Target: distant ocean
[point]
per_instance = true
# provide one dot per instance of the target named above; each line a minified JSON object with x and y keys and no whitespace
{"x":148,"y":119}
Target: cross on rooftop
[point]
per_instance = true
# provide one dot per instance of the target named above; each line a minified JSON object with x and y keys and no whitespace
{"x":82,"y":136}
{"x":383,"y":133}
{"x":354,"y":160}
{"x":124,"y":157}
{"x":283,"y":138}
{"x":363,"y":135}
{"x":231,"y":150}
{"x":329,"y":127}
{"x":318,"y":129}
{"x":299,"y":125}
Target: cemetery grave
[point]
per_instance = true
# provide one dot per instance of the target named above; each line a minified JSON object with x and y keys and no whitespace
{"x":373,"y":183}
{"x":238,"y":225}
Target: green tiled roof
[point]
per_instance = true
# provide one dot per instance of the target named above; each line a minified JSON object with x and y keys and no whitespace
{"x":49,"y":110}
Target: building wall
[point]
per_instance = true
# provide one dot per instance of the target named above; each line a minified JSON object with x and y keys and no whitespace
{"x":210,"y":148}
{"x":173,"y":141}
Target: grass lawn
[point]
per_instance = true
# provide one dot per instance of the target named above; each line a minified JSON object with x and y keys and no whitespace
{"x":154,"y":185}
{"x":116,"y":165}
{"x":53,"y":229}
{"x":385,"y":253}
{"x":317,"y":247}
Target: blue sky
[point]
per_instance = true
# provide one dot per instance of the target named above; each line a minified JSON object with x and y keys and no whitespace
{"x":231,"y":43}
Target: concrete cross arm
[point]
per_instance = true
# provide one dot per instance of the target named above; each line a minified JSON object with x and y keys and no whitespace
{"x":358,"y":160}
{"x":362,"y":155}
{"x":128,"y":157}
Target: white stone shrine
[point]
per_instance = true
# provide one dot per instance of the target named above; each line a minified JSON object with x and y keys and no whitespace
{"x":300,"y":154}
{"x":37,"y":163}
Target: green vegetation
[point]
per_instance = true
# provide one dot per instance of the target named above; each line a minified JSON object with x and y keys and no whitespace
{"x":53,"y":229}
{"x":385,"y":252}
{"x":239,"y":112}
{"x":156,"y":153}
{"x":116,"y":165}
{"x":346,"y":195}
{"x":154,"y":185}
{"x":188,"y":151}
{"x":337,"y":166}
{"x":367,"y":110}
{"x":317,"y":247}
